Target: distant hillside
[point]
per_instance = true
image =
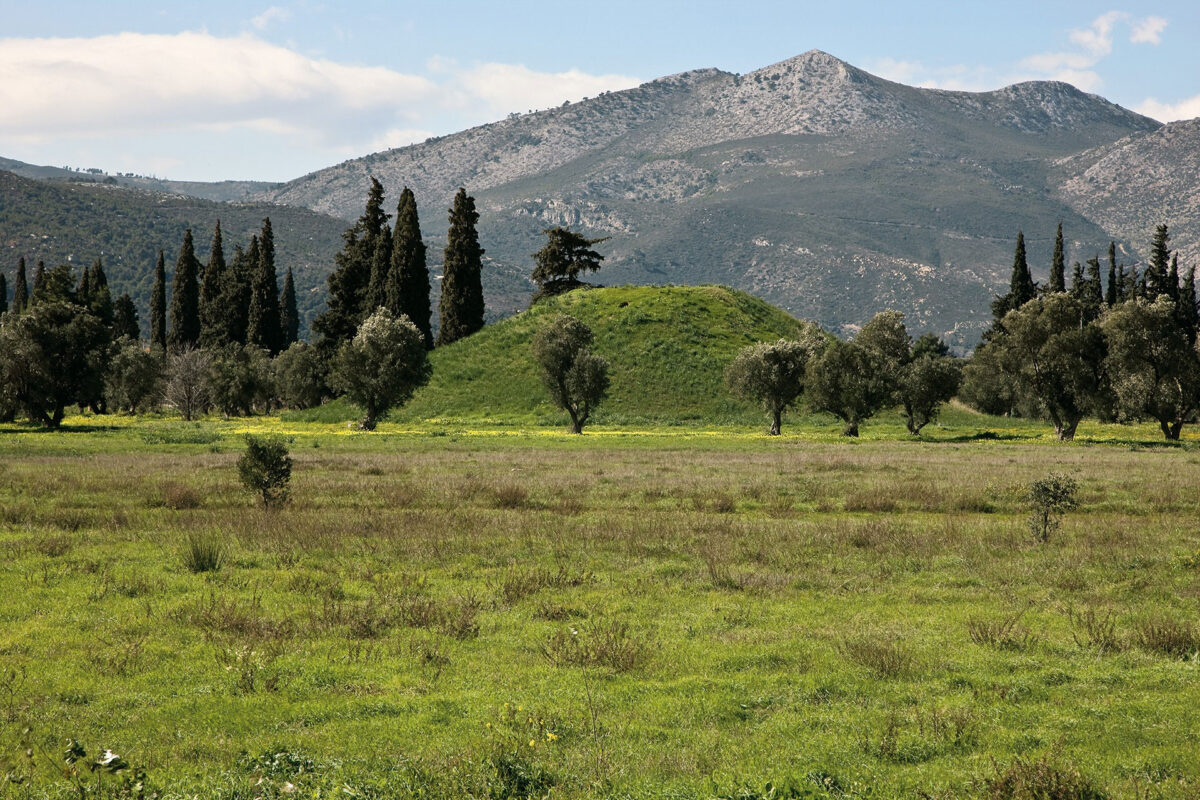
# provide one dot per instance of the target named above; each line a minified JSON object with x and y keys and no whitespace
{"x":218,"y":191}
{"x":668,"y":348}
{"x":1139,"y":182}
{"x":78,"y":222}
{"x":824,"y":189}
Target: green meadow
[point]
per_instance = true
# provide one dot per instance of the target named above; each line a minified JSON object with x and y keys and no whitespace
{"x":457,"y":607}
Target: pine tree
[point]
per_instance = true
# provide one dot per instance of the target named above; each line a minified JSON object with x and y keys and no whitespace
{"x":1021,"y":289}
{"x":20,"y":288}
{"x":263,"y":327}
{"x":99,"y":299}
{"x":3,"y":294}
{"x":1155,"y":274}
{"x":39,"y":282}
{"x":289,"y":317}
{"x":461,"y":306}
{"x":185,"y":298}
{"x":407,"y":289}
{"x":381,"y":265}
{"x":1058,"y":276}
{"x":158,"y":306}
{"x":125,"y":319}
{"x":350,"y":280}
{"x":213,"y":329}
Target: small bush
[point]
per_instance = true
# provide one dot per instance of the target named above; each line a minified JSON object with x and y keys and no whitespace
{"x":1093,"y":630}
{"x":510,"y":496}
{"x":1050,"y":498}
{"x":180,"y":498}
{"x":603,"y":644}
{"x":1167,"y":636}
{"x":886,"y":657}
{"x":203,"y":553}
{"x":1040,"y":780}
{"x":265,"y":469}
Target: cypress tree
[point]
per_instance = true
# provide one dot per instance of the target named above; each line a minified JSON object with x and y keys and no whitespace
{"x":1058,"y":275}
{"x":39,"y":282}
{"x":1172,"y":286}
{"x":214,"y":331}
{"x":3,"y":294}
{"x":1021,"y":287}
{"x":1078,"y":283}
{"x":185,"y":298}
{"x":83,"y":293}
{"x":235,"y":293}
{"x":381,"y":265}
{"x":461,"y":306}
{"x":350,"y":280}
{"x":125,"y":319}
{"x":158,"y":305}
{"x":1189,"y":311}
{"x":1113,"y":295}
{"x":408,"y":279}
{"x":263,"y":327}
{"x":1155,"y":275}
{"x":20,"y":288}
{"x":99,"y":299}
{"x":289,"y":317}
{"x":1093,"y":295}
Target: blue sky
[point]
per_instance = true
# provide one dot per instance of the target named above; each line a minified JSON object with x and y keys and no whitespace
{"x":206,"y":91}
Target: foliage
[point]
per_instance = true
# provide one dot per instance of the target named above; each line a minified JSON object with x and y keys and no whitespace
{"x":132,"y":381}
{"x":772,"y":374}
{"x":187,"y":383}
{"x":407,"y":288}
{"x":265,"y":468}
{"x":289,"y":315}
{"x":203,"y":552}
{"x":299,"y":376}
{"x":239,"y":379}
{"x":158,"y":306}
{"x":926,"y":383}
{"x":460,"y":309}
{"x":576,"y":378}
{"x":1021,"y":287}
{"x":1040,"y":779}
{"x":382,"y":366}
{"x":846,"y":381}
{"x":185,"y":298}
{"x":263,"y":326}
{"x":1049,"y":499}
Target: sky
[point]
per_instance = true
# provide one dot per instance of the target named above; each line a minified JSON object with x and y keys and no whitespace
{"x":271,"y":91}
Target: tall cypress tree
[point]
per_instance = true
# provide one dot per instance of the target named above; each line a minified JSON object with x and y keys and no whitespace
{"x":381,"y":265}
{"x":185,"y":298}
{"x":1172,"y":287}
{"x":20,"y":288}
{"x":39,"y":282}
{"x":1021,"y":288}
{"x":350,"y":280}
{"x":1058,"y":267}
{"x":408,"y":279}
{"x":1093,"y":294}
{"x":235,"y":293}
{"x":461,"y":306}
{"x":1078,"y":283}
{"x":99,"y":299}
{"x":158,"y":305}
{"x":262,"y":329}
{"x":1156,"y":273}
{"x":3,"y":294}
{"x":125,"y":319}
{"x":213,"y":329}
{"x":83,"y":293}
{"x":289,"y":316}
{"x":1189,"y":311}
{"x":1112,"y":295}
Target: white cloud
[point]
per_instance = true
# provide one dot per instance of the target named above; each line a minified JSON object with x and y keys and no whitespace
{"x":514,"y":87}
{"x":1169,"y":112}
{"x":272,"y":14}
{"x":1148,"y":30}
{"x":1097,"y":38}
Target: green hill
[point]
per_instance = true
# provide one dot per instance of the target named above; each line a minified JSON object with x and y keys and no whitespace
{"x":667,"y":346}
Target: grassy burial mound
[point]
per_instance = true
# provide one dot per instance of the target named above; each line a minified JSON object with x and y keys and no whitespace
{"x":667,"y":348}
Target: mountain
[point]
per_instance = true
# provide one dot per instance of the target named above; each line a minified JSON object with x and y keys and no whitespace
{"x":75,"y":223}
{"x":1134,"y":184}
{"x":667,"y":348}
{"x":217,"y":191}
{"x":810,"y":183}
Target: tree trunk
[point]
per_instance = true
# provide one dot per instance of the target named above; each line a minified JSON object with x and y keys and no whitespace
{"x":851,"y":429}
{"x":576,"y":420}
{"x":776,"y":422}
{"x":1172,"y":429}
{"x":1066,"y":430}
{"x":368,"y":421}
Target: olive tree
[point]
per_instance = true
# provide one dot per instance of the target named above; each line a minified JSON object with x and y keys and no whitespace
{"x":187,"y":381}
{"x":134,"y":376}
{"x":576,"y":378}
{"x":924,"y":384}
{"x":1152,"y":362}
{"x":381,"y":366}
{"x":299,"y":376}
{"x":846,"y":381}
{"x":771,"y":373}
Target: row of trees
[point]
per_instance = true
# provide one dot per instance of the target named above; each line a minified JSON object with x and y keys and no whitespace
{"x":1124,"y":352}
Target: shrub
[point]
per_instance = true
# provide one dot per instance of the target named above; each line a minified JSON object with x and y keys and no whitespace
{"x":1049,"y":498}
{"x":266,"y":468}
{"x":203,"y":553}
{"x":886,"y":657}
{"x":1167,"y":636}
{"x":602,"y":644}
{"x":1040,"y":780}
{"x":1092,"y":630}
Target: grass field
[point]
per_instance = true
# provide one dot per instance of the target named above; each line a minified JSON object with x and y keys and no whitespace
{"x":450,"y":610}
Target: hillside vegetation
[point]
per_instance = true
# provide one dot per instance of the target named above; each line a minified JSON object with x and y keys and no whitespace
{"x":667,"y":346}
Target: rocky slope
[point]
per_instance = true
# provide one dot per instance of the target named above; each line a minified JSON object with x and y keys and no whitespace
{"x":820,"y":187}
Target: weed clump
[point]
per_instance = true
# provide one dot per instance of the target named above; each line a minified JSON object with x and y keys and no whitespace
{"x":1168,"y":637}
{"x":203,"y":553}
{"x":886,"y":657}
{"x":1040,"y":780}
{"x":603,"y":644}
{"x":265,"y":469}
